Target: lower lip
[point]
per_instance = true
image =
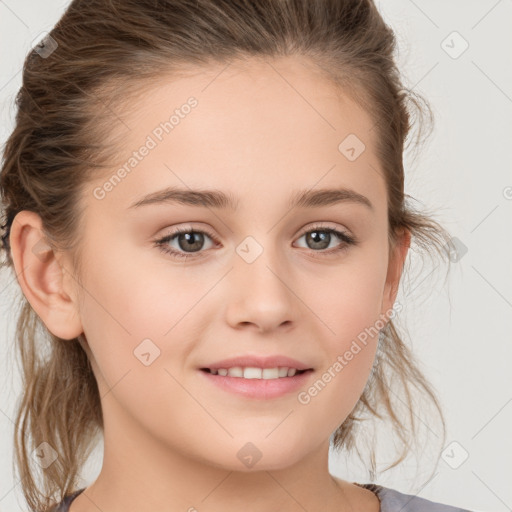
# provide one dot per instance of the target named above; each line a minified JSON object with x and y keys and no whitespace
{"x":261,"y":389}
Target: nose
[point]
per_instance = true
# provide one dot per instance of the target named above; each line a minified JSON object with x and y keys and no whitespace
{"x":261,"y":295}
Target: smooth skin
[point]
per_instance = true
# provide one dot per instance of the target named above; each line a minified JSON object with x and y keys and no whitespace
{"x":260,"y":132}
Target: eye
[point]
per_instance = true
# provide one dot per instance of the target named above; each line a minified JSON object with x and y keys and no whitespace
{"x":320,"y":238}
{"x":189,"y":241}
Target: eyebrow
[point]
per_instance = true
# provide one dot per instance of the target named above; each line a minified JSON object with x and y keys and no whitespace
{"x":221,"y":200}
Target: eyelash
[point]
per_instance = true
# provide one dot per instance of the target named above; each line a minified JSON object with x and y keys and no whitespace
{"x":162,"y":242}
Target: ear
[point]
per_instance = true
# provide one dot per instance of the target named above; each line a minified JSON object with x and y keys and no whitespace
{"x":395,"y":268}
{"x":42,"y":278}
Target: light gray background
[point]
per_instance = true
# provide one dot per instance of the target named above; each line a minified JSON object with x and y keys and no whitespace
{"x":460,"y":331}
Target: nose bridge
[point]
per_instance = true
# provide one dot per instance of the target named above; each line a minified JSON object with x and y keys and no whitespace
{"x":260,"y":262}
{"x":259,"y":284}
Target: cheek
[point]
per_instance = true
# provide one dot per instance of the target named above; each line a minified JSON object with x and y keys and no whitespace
{"x":128,"y":302}
{"x":349,"y":311}
{"x":348,"y":301}
{"x":350,"y":352}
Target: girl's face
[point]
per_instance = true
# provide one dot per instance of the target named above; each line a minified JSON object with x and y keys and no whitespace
{"x":263,"y":276}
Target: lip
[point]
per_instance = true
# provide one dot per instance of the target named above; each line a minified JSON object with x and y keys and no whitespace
{"x":259,"y":362}
{"x":259,"y":389}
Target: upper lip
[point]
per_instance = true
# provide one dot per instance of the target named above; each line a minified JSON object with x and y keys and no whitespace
{"x":259,"y":362}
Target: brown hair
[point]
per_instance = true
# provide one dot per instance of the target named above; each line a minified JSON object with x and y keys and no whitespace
{"x":107,"y":51}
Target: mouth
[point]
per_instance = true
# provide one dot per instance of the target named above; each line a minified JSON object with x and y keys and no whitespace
{"x":258,"y":383}
{"x":256,"y":373}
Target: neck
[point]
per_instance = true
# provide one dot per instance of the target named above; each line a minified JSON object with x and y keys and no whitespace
{"x":142,"y":474}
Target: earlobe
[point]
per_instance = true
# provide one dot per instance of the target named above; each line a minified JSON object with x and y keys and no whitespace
{"x":42,"y":278}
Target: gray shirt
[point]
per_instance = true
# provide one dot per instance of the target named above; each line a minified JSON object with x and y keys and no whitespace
{"x":391,"y":500}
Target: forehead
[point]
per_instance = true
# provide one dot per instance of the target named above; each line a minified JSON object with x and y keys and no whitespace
{"x":256,"y":127}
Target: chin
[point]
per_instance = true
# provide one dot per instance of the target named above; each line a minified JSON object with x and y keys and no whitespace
{"x":256,"y":456}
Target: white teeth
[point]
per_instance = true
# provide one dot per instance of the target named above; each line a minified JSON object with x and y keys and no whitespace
{"x":256,"y":373}
{"x":270,"y":373}
{"x":236,"y":371}
{"x":252,"y":373}
{"x":283,"y":372}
